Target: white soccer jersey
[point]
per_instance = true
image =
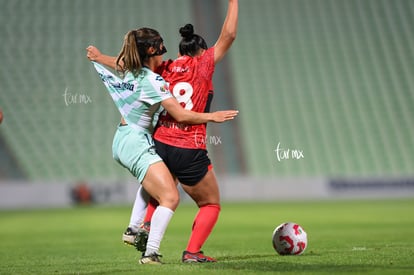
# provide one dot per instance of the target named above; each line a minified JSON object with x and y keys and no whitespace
{"x":138,"y":99}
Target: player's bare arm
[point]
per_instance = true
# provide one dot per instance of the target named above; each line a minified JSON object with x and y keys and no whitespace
{"x":228,"y":31}
{"x":186,"y":116}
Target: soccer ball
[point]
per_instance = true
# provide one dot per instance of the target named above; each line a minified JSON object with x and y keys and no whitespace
{"x":289,"y":239}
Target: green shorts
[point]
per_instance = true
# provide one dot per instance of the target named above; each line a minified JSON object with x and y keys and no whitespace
{"x":135,"y":150}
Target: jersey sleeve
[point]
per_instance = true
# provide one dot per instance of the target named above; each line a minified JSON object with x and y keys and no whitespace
{"x":157,"y":92}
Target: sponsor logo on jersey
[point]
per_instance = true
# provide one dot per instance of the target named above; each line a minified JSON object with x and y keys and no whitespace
{"x":159,"y":78}
{"x":179,"y":69}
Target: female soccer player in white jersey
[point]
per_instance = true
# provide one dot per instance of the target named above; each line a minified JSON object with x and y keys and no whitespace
{"x":140,"y":96}
{"x":190,"y":78}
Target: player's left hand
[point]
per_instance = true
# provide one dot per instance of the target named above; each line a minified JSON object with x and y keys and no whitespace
{"x":222,"y":116}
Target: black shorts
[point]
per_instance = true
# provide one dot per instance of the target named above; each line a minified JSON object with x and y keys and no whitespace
{"x":188,"y":165}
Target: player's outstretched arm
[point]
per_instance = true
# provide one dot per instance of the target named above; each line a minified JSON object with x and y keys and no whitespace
{"x":94,"y":54}
{"x":228,"y":31}
{"x":182,"y":115}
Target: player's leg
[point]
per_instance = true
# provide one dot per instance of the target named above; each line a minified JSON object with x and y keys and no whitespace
{"x":141,"y":237}
{"x":152,"y":205}
{"x":126,"y":146}
{"x":163,"y":151}
{"x":136,"y":152}
{"x":206,"y":194}
{"x":159,"y":183}
{"x":138,"y":230}
{"x":134,"y":231}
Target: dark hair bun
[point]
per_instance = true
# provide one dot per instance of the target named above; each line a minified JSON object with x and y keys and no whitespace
{"x":187,"y":31}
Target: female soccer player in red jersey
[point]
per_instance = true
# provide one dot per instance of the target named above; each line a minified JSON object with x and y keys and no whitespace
{"x":182,"y":146}
{"x":139,"y":95}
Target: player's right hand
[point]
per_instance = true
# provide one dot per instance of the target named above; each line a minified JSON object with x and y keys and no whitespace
{"x":92,"y":53}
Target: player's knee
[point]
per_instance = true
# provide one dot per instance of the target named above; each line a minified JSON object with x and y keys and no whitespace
{"x":170,"y":200}
{"x":208,"y":200}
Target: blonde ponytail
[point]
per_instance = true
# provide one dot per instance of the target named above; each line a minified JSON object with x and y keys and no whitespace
{"x":128,"y":58}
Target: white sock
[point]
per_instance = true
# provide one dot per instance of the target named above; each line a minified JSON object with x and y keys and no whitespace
{"x":159,"y":222}
{"x":139,"y":209}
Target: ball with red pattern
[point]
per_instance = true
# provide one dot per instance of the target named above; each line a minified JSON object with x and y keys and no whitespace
{"x":289,"y":239}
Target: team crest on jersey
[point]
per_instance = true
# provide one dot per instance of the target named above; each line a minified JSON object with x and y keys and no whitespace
{"x":164,"y":88}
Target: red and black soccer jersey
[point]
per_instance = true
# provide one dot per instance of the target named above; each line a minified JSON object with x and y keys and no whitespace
{"x":191,"y":82}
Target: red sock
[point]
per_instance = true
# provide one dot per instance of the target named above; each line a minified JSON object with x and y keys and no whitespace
{"x":152,"y":205}
{"x":203,"y":224}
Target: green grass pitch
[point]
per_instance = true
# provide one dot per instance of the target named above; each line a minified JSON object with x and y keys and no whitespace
{"x":345,"y":236}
